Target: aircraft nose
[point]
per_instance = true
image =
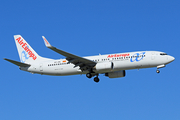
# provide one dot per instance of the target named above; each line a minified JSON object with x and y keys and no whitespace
{"x":171,"y":58}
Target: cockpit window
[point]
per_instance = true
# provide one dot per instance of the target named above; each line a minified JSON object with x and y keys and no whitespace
{"x":163,"y":54}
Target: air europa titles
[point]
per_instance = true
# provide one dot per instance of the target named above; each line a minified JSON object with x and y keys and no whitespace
{"x":25,"y":47}
{"x":118,"y":55}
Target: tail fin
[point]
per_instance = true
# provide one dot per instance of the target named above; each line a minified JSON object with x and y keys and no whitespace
{"x":26,"y":53}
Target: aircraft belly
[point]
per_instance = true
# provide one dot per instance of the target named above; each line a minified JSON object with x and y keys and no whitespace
{"x":67,"y":70}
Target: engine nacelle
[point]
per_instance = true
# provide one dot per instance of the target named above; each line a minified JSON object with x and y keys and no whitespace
{"x":105,"y":66}
{"x":116,"y":74}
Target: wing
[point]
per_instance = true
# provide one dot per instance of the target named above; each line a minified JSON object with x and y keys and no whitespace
{"x":17,"y":63}
{"x":83,"y":63}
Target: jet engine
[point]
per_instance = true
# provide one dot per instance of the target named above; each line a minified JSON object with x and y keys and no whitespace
{"x":105,"y":66}
{"x":116,"y":74}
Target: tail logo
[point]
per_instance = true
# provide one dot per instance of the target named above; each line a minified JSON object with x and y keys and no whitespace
{"x":24,"y":56}
{"x":26,"y":53}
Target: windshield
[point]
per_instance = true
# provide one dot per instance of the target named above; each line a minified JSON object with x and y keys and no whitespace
{"x":163,"y":54}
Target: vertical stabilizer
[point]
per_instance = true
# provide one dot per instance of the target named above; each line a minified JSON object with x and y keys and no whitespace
{"x":26,"y":53}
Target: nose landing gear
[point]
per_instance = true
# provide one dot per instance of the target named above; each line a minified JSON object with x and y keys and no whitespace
{"x":160,"y":66}
{"x":158,"y":71}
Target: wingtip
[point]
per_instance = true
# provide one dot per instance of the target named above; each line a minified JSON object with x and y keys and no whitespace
{"x":43,"y":37}
{"x":5,"y":59}
{"x":46,"y":42}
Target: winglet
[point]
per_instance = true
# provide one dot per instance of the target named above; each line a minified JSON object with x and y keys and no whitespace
{"x":46,"y":42}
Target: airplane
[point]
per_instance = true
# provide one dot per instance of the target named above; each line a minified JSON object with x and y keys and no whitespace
{"x":111,"y":65}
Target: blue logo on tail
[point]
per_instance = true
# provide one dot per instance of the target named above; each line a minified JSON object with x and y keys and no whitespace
{"x":24,"y":56}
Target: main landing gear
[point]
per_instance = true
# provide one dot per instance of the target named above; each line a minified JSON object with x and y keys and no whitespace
{"x":89,"y":75}
{"x":96,"y":79}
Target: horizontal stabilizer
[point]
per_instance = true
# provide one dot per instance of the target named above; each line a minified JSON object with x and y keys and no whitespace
{"x":17,"y":63}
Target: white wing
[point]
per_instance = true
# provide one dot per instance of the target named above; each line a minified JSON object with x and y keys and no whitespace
{"x":83,"y":63}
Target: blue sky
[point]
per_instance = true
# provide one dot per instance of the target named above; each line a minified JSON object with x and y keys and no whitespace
{"x":89,"y":28}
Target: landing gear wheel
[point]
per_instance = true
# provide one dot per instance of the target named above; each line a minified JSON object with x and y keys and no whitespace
{"x":88,"y":75}
{"x":157,"y":71}
{"x":96,"y":79}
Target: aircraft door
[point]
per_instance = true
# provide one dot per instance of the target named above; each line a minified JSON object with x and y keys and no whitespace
{"x":153,"y":55}
{"x":41,"y":67}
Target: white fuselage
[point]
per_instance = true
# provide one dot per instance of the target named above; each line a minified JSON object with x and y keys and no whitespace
{"x":121,"y":61}
{"x":112,"y":65}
